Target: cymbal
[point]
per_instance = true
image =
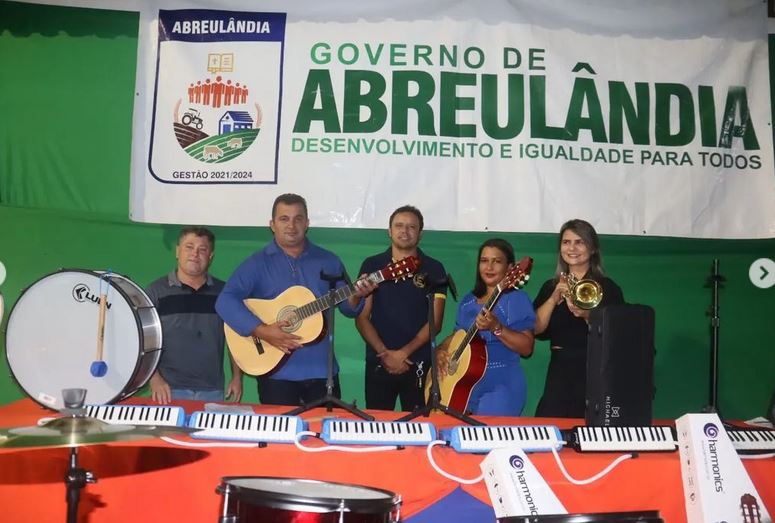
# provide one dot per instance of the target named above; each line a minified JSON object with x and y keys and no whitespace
{"x":77,"y":431}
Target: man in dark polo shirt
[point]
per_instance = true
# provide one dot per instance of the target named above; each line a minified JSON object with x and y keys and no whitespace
{"x":394,"y":320}
{"x":191,"y":364}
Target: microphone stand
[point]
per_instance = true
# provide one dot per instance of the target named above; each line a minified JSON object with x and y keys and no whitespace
{"x":715,"y":281}
{"x":434,"y":399}
{"x":330,"y":400}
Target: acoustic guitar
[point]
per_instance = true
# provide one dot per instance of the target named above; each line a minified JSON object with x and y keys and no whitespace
{"x":256,"y":357}
{"x":468,"y":360}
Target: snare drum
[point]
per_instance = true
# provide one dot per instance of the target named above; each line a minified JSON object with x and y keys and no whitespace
{"x":51,"y":337}
{"x":286,"y":500}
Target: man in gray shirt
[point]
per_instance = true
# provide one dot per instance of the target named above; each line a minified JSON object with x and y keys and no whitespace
{"x":191,"y":364}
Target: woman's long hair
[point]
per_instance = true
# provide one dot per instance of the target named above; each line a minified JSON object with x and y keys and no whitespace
{"x":587,"y":233}
{"x":480,"y":289}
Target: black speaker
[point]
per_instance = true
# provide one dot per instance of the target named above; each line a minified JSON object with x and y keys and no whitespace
{"x":620,"y":366}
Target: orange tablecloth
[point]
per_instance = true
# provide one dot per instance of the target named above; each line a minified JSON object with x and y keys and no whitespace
{"x":154,"y":480}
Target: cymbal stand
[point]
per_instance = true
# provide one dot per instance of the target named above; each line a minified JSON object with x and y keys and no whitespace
{"x":330,"y":400}
{"x":434,"y":399}
{"x":76,"y":478}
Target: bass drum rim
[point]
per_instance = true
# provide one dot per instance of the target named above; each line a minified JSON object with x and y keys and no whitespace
{"x":298,"y":502}
{"x":141,"y":330}
{"x":154,"y":354}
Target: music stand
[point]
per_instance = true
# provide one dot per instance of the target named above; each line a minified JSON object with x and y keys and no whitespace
{"x":434,"y":399}
{"x":330,"y":400}
{"x":715,"y":281}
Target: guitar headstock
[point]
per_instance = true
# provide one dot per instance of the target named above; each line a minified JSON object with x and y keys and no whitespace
{"x":401,"y":269}
{"x":518,"y":275}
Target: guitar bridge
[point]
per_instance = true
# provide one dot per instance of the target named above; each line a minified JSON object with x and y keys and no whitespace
{"x":259,"y":346}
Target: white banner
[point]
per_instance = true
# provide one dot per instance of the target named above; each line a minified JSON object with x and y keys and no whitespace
{"x":640,"y":117}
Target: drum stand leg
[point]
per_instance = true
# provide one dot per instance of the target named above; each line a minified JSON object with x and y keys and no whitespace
{"x":330,"y":400}
{"x":75,"y":479}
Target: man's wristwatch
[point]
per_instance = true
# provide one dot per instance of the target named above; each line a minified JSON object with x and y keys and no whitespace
{"x":498,"y":330}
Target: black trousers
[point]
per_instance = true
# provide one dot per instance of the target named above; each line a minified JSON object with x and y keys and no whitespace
{"x":383,"y":388}
{"x":285,"y":392}
{"x":565,"y":393}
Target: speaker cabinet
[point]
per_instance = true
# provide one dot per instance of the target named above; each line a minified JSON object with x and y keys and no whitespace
{"x":620,"y":366}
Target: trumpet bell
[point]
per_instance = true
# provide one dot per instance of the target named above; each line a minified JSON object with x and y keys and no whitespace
{"x":587,"y":294}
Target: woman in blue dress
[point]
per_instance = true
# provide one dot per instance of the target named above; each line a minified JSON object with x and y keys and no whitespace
{"x":507,"y":330}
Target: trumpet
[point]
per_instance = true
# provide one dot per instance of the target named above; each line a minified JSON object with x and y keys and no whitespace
{"x":585,"y":294}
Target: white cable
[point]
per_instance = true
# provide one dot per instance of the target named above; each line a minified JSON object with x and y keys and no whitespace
{"x":594,"y":478}
{"x":193,"y":444}
{"x":757,"y":456}
{"x":429,"y":451}
{"x":297,"y":442}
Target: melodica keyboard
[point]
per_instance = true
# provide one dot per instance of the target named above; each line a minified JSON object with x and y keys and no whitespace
{"x":352,"y":432}
{"x":530,"y":438}
{"x":138,"y":415}
{"x":752,"y":441}
{"x":623,"y":439}
{"x":257,"y":428}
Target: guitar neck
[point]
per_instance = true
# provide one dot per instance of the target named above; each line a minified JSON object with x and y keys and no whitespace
{"x":334,"y":297}
{"x":472,"y":330}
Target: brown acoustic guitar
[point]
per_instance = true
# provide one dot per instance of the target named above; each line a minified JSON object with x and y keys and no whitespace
{"x":256,"y":357}
{"x":750,"y":510}
{"x":468,"y":359}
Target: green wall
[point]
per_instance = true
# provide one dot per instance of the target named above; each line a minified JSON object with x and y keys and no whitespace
{"x":66,"y":90}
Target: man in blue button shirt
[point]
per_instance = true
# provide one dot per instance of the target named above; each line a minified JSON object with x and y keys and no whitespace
{"x":289,"y":259}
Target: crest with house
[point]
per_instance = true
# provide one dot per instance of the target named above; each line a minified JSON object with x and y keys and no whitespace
{"x":216,"y":120}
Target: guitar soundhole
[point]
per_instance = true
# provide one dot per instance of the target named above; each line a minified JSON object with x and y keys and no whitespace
{"x":288,"y":314}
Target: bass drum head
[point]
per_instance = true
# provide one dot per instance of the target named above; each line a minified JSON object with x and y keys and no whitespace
{"x":252,"y":499}
{"x":51,"y":339}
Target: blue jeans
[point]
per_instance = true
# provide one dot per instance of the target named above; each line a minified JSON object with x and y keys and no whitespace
{"x":201,"y":395}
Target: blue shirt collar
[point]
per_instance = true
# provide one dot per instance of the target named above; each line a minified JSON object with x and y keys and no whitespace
{"x":273,"y":248}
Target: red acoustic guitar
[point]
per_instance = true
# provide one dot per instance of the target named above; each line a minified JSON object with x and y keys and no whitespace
{"x":469,"y":358}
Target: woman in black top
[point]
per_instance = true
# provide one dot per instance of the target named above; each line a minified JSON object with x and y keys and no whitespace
{"x":565,"y":324}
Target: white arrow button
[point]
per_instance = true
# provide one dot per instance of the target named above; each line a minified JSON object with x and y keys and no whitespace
{"x":762,"y":273}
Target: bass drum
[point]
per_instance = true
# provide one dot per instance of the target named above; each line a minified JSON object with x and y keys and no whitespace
{"x":51,"y":337}
{"x":285,"y":500}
